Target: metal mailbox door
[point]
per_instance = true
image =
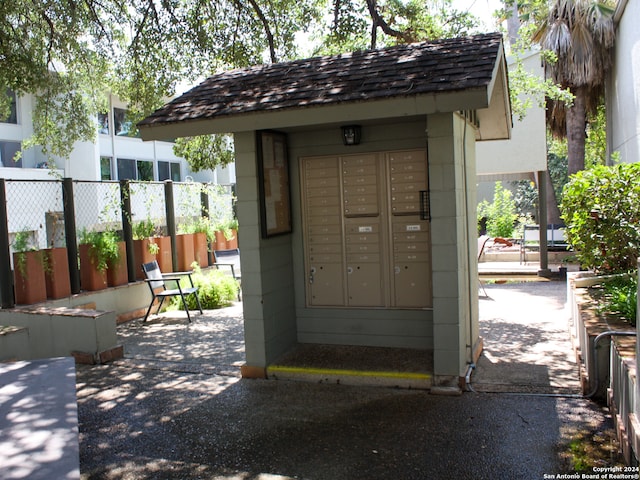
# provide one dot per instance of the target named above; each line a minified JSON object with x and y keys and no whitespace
{"x":324,"y":238}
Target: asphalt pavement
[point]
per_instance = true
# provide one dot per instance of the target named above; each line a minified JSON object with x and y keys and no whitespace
{"x":176,"y":408}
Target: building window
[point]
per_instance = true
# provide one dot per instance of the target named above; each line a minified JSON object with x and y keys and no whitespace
{"x":7,"y":152}
{"x":168,"y":171}
{"x":103,"y":123}
{"x":145,"y":170}
{"x":126,"y":169}
{"x":123,"y":126}
{"x":105,"y":168}
{"x":13,"y":112}
{"x":129,"y":169}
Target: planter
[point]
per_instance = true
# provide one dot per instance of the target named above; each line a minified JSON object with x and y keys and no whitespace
{"x":57,"y":273}
{"x":186,"y":255}
{"x":221,"y":241}
{"x":142,"y":255}
{"x":117,"y":272}
{"x":164,"y":257}
{"x":91,"y":278}
{"x":233,"y":243}
{"x":29,"y":281}
{"x":200,"y":249}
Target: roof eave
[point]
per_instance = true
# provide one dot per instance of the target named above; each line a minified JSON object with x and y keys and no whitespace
{"x":394,"y":107}
{"x":495,"y":122}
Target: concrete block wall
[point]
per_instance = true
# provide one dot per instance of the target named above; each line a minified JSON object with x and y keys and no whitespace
{"x":63,"y":332}
{"x":455,"y":310}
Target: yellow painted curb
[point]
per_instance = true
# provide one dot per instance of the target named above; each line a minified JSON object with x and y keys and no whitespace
{"x":351,"y":373}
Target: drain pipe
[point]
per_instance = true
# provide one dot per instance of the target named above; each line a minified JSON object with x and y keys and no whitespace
{"x":467,"y":378}
{"x":610,"y":333}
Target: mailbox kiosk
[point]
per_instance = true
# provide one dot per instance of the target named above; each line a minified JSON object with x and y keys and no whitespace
{"x":366,"y":225}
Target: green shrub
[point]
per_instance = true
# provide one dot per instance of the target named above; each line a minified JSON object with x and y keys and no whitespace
{"x":621,"y":297}
{"x":601,"y":210}
{"x":104,"y":247}
{"x":501,"y":214}
{"x":216,"y":290}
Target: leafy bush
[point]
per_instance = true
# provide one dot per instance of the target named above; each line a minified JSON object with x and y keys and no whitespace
{"x":621,"y":296}
{"x":618,"y":295}
{"x":104,"y":247}
{"x":601,"y":210}
{"x":216,"y":290}
{"x":501,"y":214}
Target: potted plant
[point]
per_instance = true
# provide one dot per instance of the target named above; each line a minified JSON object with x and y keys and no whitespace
{"x":232,"y":231}
{"x":56,"y":272}
{"x":145,"y":248}
{"x":28,"y":271}
{"x":117,"y":273}
{"x":97,"y":250}
{"x":202,"y":231}
{"x":185,"y":249}
{"x":222,"y":232}
{"x":56,"y":259}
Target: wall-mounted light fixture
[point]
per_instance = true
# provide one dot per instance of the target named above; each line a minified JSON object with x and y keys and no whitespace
{"x":351,"y":134}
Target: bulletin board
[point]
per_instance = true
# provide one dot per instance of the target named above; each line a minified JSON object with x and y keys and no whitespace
{"x":273,"y":182}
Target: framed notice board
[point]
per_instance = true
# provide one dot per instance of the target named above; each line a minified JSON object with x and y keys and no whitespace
{"x":273,"y":183}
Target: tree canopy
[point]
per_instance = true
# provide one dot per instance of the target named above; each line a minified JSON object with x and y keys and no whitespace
{"x":71,"y":54}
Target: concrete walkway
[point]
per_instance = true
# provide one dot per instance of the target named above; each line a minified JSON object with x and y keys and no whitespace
{"x":175,"y":407}
{"x":527,"y":345}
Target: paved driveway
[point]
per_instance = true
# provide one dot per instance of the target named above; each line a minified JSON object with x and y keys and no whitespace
{"x":176,"y":408}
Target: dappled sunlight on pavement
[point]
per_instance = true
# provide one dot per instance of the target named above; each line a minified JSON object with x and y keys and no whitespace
{"x":527,"y":344}
{"x":212,"y":343}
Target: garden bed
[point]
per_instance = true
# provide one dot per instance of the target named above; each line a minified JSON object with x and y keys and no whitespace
{"x":608,"y":372}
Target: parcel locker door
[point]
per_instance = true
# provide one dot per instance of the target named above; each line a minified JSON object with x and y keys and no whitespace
{"x":411,"y":263}
{"x":364,"y":262}
{"x":410,"y":240}
{"x":324,"y":242}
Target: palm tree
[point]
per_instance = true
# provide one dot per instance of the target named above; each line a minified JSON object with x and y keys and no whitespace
{"x":580,"y":33}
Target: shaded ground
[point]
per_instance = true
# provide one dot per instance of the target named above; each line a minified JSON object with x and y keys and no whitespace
{"x":527,"y":346}
{"x":176,"y":408}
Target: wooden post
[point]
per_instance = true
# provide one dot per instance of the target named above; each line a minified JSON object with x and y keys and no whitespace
{"x":71,"y":234}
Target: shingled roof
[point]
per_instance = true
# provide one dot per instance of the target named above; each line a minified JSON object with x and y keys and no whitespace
{"x":407,"y":70}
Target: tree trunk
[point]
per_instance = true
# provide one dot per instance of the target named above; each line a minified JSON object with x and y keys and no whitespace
{"x":513,"y":23}
{"x":576,"y":131}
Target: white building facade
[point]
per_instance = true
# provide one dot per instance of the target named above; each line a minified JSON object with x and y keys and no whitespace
{"x":623,"y":87}
{"x":113,"y":155}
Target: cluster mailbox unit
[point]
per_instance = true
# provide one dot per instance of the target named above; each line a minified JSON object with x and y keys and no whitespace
{"x":367,"y":230}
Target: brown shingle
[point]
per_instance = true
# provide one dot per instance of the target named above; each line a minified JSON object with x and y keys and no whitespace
{"x":405,"y":70}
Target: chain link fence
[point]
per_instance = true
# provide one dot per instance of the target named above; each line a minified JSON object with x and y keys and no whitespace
{"x":42,"y":213}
